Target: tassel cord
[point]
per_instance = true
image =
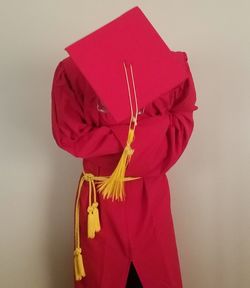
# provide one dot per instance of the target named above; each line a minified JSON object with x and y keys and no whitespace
{"x":113,"y":187}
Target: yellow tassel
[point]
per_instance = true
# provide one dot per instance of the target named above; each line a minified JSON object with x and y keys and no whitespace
{"x":96,"y":217}
{"x":78,"y":264}
{"x":78,"y":260}
{"x":113,"y":186}
{"x":91,"y":222}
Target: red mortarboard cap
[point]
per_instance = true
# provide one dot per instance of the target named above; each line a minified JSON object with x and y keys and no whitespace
{"x":130,"y":38}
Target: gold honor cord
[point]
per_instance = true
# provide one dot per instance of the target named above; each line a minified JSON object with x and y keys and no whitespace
{"x":109,"y":186}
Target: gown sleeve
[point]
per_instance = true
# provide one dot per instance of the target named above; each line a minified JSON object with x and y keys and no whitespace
{"x":69,"y":128}
{"x":181,"y":124}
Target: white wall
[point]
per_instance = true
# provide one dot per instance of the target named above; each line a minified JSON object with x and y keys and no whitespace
{"x":209,"y":184}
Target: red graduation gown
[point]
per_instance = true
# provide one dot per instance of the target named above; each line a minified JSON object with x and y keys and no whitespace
{"x":139,"y":229}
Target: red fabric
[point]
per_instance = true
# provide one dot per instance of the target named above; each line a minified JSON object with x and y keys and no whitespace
{"x":140,"y":229}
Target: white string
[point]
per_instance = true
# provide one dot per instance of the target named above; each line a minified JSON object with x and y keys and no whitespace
{"x":129,"y":93}
{"x":132,"y":74}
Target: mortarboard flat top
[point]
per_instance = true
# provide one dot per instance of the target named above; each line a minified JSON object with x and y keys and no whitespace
{"x":131,"y":38}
